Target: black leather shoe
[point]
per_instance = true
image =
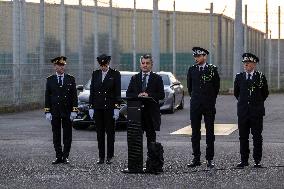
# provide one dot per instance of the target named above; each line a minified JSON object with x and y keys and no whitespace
{"x":65,"y":161}
{"x":257,"y":164}
{"x":131,"y":171}
{"x":210,"y":164}
{"x":242,"y":164}
{"x":100,"y":161}
{"x":109,"y":161}
{"x":194,"y":163}
{"x":57,"y":161}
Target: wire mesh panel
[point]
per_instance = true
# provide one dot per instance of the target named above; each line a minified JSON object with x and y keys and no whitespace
{"x":32,"y":32}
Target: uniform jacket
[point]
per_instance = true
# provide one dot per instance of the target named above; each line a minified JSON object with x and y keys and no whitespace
{"x":61,"y":100}
{"x":106,"y":94}
{"x":251,"y":94}
{"x":155,"y":89}
{"x":203,"y":87}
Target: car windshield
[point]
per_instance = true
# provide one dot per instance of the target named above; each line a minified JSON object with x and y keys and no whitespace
{"x":125,"y":79}
{"x":166,"y":79}
{"x":87,"y":86}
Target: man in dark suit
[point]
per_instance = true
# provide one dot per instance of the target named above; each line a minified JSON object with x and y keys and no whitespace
{"x":203,"y":85}
{"x":61,"y":107}
{"x":105,"y":95}
{"x":148,"y":84}
{"x":251,"y":90}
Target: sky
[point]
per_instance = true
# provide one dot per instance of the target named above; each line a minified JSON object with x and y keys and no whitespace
{"x":256,"y":9}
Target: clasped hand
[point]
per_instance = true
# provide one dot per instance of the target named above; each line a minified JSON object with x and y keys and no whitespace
{"x":144,"y":94}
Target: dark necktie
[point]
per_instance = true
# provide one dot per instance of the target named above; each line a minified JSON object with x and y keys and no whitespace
{"x":144,"y":82}
{"x":249,"y":80}
{"x":249,"y":77}
{"x":201,"y":69}
{"x":60,"y":80}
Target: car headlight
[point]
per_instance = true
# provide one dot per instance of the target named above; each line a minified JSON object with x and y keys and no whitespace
{"x":168,"y":93}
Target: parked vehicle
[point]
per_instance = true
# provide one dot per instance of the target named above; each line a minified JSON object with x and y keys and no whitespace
{"x":174,"y":93}
{"x":174,"y":99}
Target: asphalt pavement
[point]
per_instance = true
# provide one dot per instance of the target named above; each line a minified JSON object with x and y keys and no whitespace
{"x":26,"y":153}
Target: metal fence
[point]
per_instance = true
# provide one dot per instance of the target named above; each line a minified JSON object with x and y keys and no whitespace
{"x":32,"y":33}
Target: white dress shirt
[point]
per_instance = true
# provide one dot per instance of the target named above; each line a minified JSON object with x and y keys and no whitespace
{"x":251,"y":74}
{"x":62,"y":77}
{"x":104,"y":74}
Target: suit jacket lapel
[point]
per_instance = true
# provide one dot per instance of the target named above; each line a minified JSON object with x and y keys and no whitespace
{"x":139,"y":82}
{"x":150,"y":79}
{"x":107,"y":75}
{"x":254,"y":77}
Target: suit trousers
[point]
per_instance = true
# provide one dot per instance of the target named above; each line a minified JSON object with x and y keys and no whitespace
{"x":148,"y":127}
{"x":105,"y":124}
{"x":209,"y":118}
{"x":255,"y":125}
{"x":66,"y":124}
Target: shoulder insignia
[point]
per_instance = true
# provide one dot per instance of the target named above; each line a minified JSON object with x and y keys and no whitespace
{"x":70,"y":75}
{"x":49,"y":77}
{"x":212,"y":65}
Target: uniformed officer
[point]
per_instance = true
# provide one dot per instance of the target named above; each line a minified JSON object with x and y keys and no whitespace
{"x":61,"y":107}
{"x":203,"y":85}
{"x":105,"y":95}
{"x":251,"y":90}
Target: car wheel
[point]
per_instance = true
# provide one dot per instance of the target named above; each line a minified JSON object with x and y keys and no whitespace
{"x":181,"y":105}
{"x":80,"y":126}
{"x":172,"y":110}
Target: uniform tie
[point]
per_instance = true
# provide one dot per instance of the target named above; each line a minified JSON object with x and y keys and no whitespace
{"x":60,"y":80}
{"x":249,"y":75}
{"x":201,"y":68}
{"x":144,"y":82}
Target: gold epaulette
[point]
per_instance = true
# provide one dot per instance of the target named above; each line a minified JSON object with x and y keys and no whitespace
{"x":70,"y":75}
{"x":49,"y":76}
{"x":116,"y":106}
{"x":212,"y":65}
{"x":46,"y":110}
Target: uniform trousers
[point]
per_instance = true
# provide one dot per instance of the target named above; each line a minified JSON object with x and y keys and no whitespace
{"x":209,"y":118}
{"x":66,"y":124}
{"x":105,"y":125}
{"x":255,"y":125}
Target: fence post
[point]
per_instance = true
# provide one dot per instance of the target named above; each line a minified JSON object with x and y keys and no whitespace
{"x":62,"y":28}
{"x":134,"y":36}
{"x":95,"y":30}
{"x":110,"y":30}
{"x":16,"y":51}
{"x":80,"y":36}
{"x":174,"y":38}
{"x":156,"y":36}
{"x":41,"y":33}
{"x":278,"y":53}
{"x":238,"y":38}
